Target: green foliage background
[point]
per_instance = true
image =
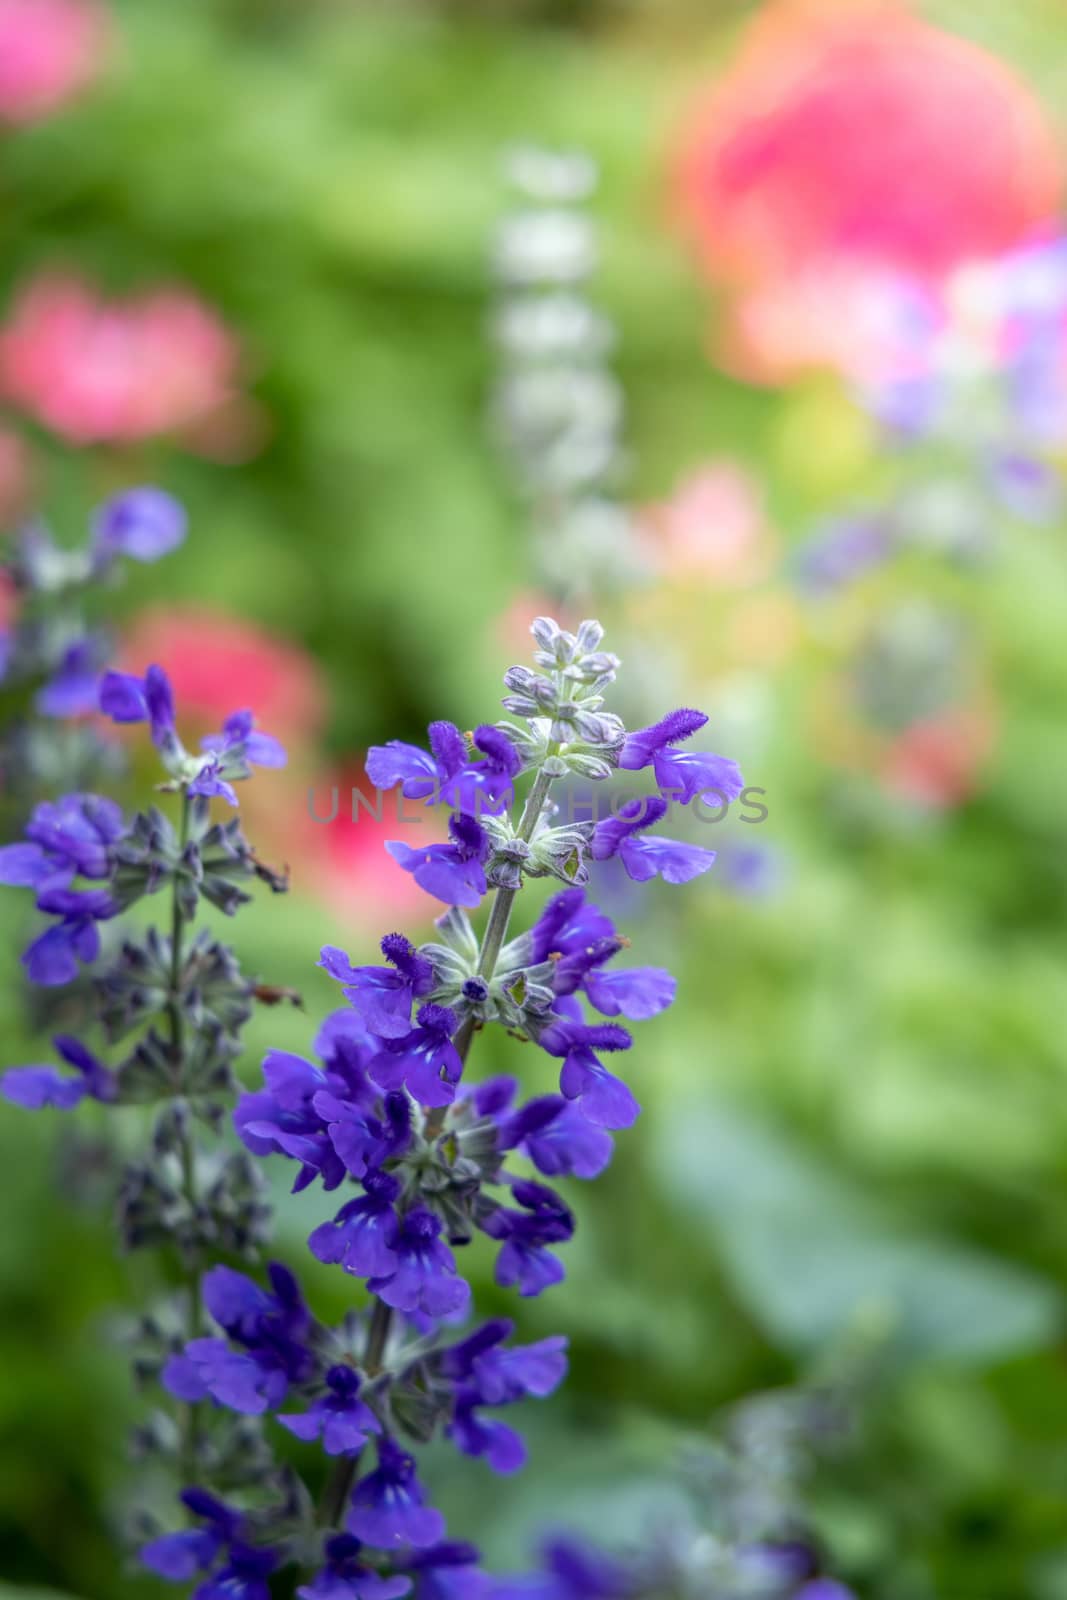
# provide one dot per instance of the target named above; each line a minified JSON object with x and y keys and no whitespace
{"x":856,"y":1123}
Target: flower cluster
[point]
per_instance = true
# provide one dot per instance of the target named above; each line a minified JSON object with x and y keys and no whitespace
{"x":420,"y":1158}
{"x":51,"y":657}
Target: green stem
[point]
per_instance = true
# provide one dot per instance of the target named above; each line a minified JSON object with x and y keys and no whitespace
{"x":186,"y":1150}
{"x":339,"y":1483}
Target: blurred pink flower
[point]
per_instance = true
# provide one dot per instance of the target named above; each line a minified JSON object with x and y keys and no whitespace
{"x":49,"y":51}
{"x":112,"y":371}
{"x":345,"y":863}
{"x":712,"y":527}
{"x":848,"y":139}
{"x":15,"y":477}
{"x":219,"y":663}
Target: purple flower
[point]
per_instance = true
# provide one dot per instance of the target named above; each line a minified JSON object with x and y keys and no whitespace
{"x":127,"y":698}
{"x":143,"y":523}
{"x":558,"y":1139}
{"x":178,"y":1557}
{"x":362,"y":1236}
{"x":424,"y":1277}
{"x":66,"y":837}
{"x":425,"y":1060}
{"x":524,"y":1259}
{"x":604,"y":1099}
{"x":230,"y":754}
{"x":452,"y":872}
{"x":242,"y":744}
{"x":569,"y":923}
{"x":73,"y":688}
{"x":680,"y":774}
{"x":339,"y":1416}
{"x":634,"y":992}
{"x":843,"y":552}
{"x":36,"y":1087}
{"x":475,"y":1435}
{"x":446,"y":773}
{"x":388,"y":1506}
{"x":383,"y":996}
{"x":52,"y":959}
{"x":344,"y":1577}
{"x":644,"y":858}
{"x":448,"y":1571}
{"x":268,"y":1326}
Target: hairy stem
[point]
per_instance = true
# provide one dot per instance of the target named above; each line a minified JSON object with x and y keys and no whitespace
{"x":186,"y":1148}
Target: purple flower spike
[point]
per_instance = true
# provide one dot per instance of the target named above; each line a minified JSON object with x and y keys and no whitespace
{"x":452,"y":872}
{"x":681,"y":775}
{"x":388,"y":1506}
{"x":340,"y":1417}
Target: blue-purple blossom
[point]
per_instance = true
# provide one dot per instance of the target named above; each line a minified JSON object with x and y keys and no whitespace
{"x":604,"y":1099}
{"x":454,"y":873}
{"x":445,"y":773}
{"x":680,"y":774}
{"x":339,"y":1417}
{"x":72,"y":688}
{"x":388,"y":1506}
{"x":69,"y":837}
{"x":266,"y":1352}
{"x":229,"y":755}
{"x":36,"y":1087}
{"x":568,"y":923}
{"x":559,"y":1140}
{"x":423,"y":1278}
{"x":237,"y":1570}
{"x":362,"y":1235}
{"x":143,"y":523}
{"x":52,"y":958}
{"x":448,"y":1571}
{"x":346,"y":1577}
{"x":644,"y":857}
{"x":383,"y":996}
{"x":425,"y":1060}
{"x":525,"y":1261}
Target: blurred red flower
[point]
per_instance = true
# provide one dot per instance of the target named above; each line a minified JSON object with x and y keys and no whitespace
{"x":219,"y":663}
{"x":857,"y":137}
{"x":936,"y":763}
{"x":100,"y":371}
{"x":49,"y":51}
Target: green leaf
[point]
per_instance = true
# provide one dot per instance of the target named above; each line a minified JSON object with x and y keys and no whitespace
{"x":812,"y":1256}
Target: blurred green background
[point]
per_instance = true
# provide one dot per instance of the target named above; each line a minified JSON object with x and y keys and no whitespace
{"x":856,"y":1124}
